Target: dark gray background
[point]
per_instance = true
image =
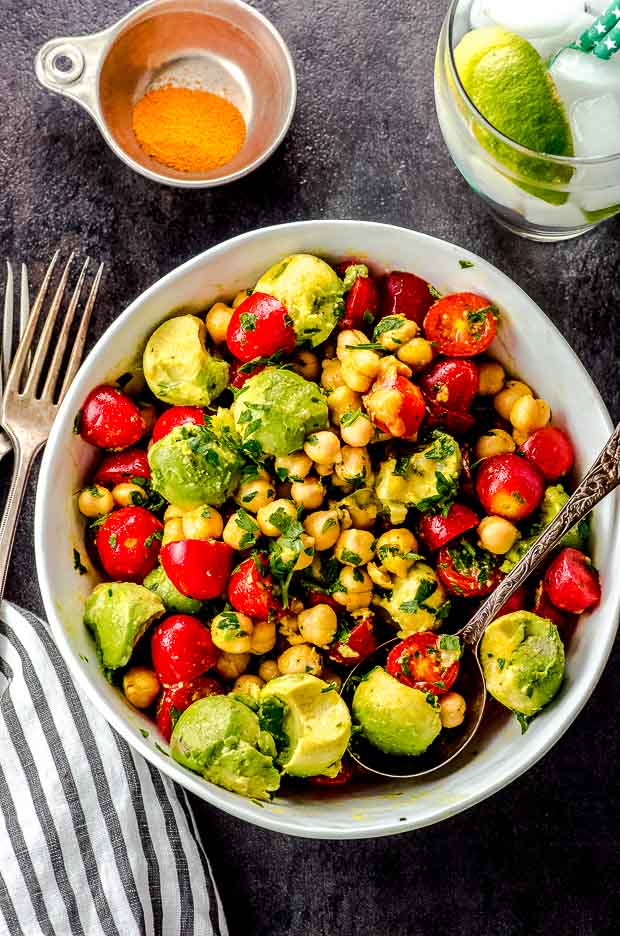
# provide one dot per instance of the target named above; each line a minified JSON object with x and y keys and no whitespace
{"x":542,"y":855}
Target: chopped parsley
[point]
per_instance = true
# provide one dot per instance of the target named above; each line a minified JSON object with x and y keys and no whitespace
{"x":350,"y":557}
{"x":157,"y":535}
{"x":78,"y":565}
{"x":113,"y":540}
{"x":449,"y":642}
{"x":425,"y":589}
{"x":466,"y":264}
{"x":77,"y":422}
{"x":349,"y":418}
{"x":523,"y":720}
{"x":271,"y":716}
{"x":247,"y":320}
{"x":501,"y":662}
{"x":388,"y":324}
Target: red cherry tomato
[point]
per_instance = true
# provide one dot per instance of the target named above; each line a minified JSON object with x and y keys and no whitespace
{"x":250,"y":588}
{"x":466,"y":570}
{"x":128,"y":543}
{"x":182,"y":649}
{"x":436,"y":530}
{"x":452,"y":421}
{"x":572,"y":583}
{"x":422,"y":663}
{"x":451,"y":383}
{"x":544,"y":608}
{"x":316,"y":598}
{"x":239,"y":377}
{"x":260,"y":327}
{"x":175,"y":699}
{"x":461,"y":325}
{"x":406,"y":294}
{"x":198,"y":568}
{"x":344,"y":776}
{"x":551,"y":451}
{"x":110,"y":420}
{"x":515,"y":603}
{"x":509,"y":486}
{"x":407,"y":418}
{"x":361,"y":304}
{"x":356,"y":644}
{"x":342,"y":267}
{"x":177,"y":416}
{"x":118,"y":467}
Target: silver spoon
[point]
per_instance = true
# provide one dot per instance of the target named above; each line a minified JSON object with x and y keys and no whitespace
{"x":602,"y":478}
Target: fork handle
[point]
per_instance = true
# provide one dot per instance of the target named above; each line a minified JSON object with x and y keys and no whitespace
{"x":24,"y":458}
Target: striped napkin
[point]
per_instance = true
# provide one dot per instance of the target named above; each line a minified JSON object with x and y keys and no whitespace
{"x":94,"y":841}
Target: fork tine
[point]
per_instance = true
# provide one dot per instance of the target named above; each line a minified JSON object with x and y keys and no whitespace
{"x":43,"y":344}
{"x":23,"y":349}
{"x":80,"y":339}
{"x":54,"y":367}
{"x":24,"y":303}
{"x":7,"y":326}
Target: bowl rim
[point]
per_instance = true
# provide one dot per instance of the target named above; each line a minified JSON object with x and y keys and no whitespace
{"x":237,"y":806}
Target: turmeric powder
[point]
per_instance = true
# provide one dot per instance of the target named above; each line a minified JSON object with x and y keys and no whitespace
{"x":188,"y":129}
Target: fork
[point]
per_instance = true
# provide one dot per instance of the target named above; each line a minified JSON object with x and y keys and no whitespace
{"x":6,"y":349}
{"x":27,"y":412}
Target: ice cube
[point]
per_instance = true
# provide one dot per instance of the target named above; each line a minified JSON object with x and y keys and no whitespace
{"x":578,"y":75}
{"x":478,"y":16}
{"x":532,"y":18}
{"x":488,"y":181}
{"x":595,"y":123}
{"x":548,"y":46}
{"x":541,"y":212}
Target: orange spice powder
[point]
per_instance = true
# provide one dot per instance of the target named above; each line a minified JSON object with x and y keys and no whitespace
{"x":187,"y":129}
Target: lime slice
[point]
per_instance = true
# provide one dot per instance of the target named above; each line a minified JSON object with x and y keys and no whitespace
{"x":508,"y":82}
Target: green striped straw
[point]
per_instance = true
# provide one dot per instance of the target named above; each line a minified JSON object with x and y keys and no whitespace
{"x":603,"y":36}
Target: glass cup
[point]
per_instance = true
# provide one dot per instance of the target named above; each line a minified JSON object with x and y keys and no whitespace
{"x":540,"y":197}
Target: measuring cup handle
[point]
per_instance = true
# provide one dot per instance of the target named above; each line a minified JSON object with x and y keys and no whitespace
{"x":69,"y":66}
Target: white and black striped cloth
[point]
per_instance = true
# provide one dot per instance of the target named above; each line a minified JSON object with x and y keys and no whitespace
{"x":94,"y":841}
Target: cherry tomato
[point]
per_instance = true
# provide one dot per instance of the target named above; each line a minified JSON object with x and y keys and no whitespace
{"x":361,"y":304}
{"x":571,"y":582}
{"x":515,"y":603}
{"x":239,"y":377}
{"x":177,"y":416}
{"x":466,"y":570}
{"x":175,"y":699}
{"x":342,"y":267}
{"x":452,"y":421}
{"x":451,"y":383}
{"x":118,"y":467}
{"x":344,"y":776}
{"x":260,"y":327}
{"x":182,"y":649}
{"x":316,"y":598}
{"x":406,"y":294}
{"x":436,"y":530}
{"x":198,"y":568}
{"x":110,"y":420}
{"x":551,"y":451}
{"x":128,"y":543}
{"x":356,"y":644}
{"x":461,"y":325}
{"x":250,"y":588}
{"x":544,"y":608}
{"x":423,"y":662}
{"x":509,"y":486}
{"x":407,"y":416}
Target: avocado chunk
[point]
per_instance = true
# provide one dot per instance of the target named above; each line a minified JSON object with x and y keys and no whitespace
{"x":310,"y":723}
{"x":522,"y":659}
{"x":178,"y":367}
{"x":425,"y":477}
{"x":158,"y":582}
{"x":311,"y":292}
{"x":193,"y":465}
{"x":220,"y":738}
{"x":554,"y":498}
{"x":276,"y":410}
{"x":394,"y":718}
{"x":417,"y":602}
{"x":118,"y":614}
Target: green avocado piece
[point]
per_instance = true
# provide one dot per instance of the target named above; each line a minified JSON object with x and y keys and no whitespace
{"x":417,"y":602}
{"x":118,"y":614}
{"x":310,"y":723}
{"x":158,"y":582}
{"x":394,"y":718}
{"x":178,"y":367}
{"x":310,"y":290}
{"x":425,"y":477}
{"x":553,"y":500}
{"x":193,"y":465}
{"x":219,"y":737}
{"x":522,"y":659}
{"x":276,"y":410}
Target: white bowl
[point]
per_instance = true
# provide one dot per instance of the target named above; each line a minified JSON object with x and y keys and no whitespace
{"x":528,"y":344}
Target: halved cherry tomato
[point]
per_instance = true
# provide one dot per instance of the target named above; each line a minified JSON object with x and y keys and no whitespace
{"x":451,"y":383}
{"x":110,"y":420}
{"x":361,"y":304}
{"x":177,"y":416}
{"x":128,"y":543}
{"x":436,"y":530}
{"x":198,"y":568}
{"x":356,"y":644}
{"x":175,"y":699}
{"x":239,"y":375}
{"x":260,"y":327}
{"x":461,"y":325}
{"x":182,"y":649}
{"x":344,"y":776}
{"x":250,"y":588}
{"x":425,"y":661}
{"x":551,"y":451}
{"x":405,"y":414}
{"x":316,"y":598}
{"x":406,"y":294}
{"x":515,"y":603}
{"x":342,"y":267}
{"x":544,"y":608}
{"x":132,"y":463}
{"x":571,"y":582}
{"x":452,"y":421}
{"x":466,"y":570}
{"x":509,"y":486}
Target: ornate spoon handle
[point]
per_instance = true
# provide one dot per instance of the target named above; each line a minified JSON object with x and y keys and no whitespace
{"x":601,"y":479}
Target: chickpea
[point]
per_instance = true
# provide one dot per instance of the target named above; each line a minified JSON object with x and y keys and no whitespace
{"x":252,"y":495}
{"x":324,"y":527}
{"x":355,"y":547}
{"x":331,"y":677}
{"x":354,"y":589}
{"x":217,"y":322}
{"x":491,"y":378}
{"x":173,"y":531}
{"x":318,"y":625}
{"x":345,"y":518}
{"x":331,"y":376}
{"x":263,"y":637}
{"x":324,"y":471}
{"x":355,"y":468}
{"x":173,"y":512}
{"x":276,"y":517}
{"x":528,"y":415}
{"x":202,"y":523}
{"x":417,"y":353}
{"x":343,"y":400}
{"x":452,"y":708}
{"x":232,"y":632}
{"x":379,"y":576}
{"x":268,"y":670}
{"x":323,"y":447}
{"x":391,"y":364}
{"x":295,"y":467}
{"x":356,"y":429}
{"x":361,"y":509}
{"x":249,"y":685}
{"x":300,"y":659}
{"x":494,"y":442}
{"x":241,"y":531}
{"x":506,"y":398}
{"x":359,"y":367}
{"x":497,"y":535}
{"x":289,"y":629}
{"x":95,"y":501}
{"x":141,"y":686}
{"x":308,"y":494}
{"x":149,"y":417}
{"x":241,"y":296}
{"x":354,"y":379}
{"x":398,"y":331}
{"x":232,"y":665}
{"x":384,"y":405}
{"x":306,"y":364}
{"x":394,"y":549}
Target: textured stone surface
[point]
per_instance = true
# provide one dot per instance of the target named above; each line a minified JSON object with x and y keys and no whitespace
{"x":541,"y":856}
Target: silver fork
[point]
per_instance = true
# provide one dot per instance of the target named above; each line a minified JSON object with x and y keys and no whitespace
{"x":6,"y":350}
{"x":27,"y":413}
